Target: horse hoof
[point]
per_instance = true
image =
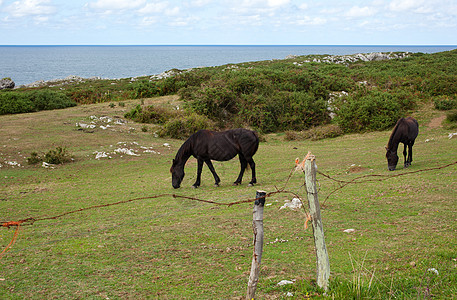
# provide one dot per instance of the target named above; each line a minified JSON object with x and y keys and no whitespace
{"x":195,"y":186}
{"x":236,"y":183}
{"x":216,"y":185}
{"x":251,"y":184}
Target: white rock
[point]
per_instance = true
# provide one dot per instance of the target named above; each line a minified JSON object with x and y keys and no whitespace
{"x":126,"y":151}
{"x":294,"y":204}
{"x":284,"y":282}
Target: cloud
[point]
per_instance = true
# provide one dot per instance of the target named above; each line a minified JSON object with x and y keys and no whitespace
{"x":257,"y":6}
{"x":116,"y":5}
{"x":360,"y":12}
{"x":199,"y":3}
{"x":277,"y":3}
{"x":24,"y":8}
{"x":306,"y":20}
{"x":148,"y":21}
{"x":153,"y":8}
{"x":183,"y":22}
{"x":404,"y":5}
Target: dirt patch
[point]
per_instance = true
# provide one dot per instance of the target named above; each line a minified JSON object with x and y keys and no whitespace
{"x":356,"y":169}
{"x":437,"y":122}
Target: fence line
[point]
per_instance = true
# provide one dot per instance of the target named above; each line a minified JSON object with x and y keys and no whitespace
{"x":357,"y":180}
{"x":361,"y":179}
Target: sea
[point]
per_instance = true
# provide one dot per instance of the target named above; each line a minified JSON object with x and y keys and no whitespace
{"x":27,"y":64}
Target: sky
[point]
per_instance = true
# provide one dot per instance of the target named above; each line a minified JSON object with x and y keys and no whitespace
{"x":228,"y":22}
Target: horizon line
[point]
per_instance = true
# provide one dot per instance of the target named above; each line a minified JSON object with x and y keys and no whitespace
{"x":229,"y":45}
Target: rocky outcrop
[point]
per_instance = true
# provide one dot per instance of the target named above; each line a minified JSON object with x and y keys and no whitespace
{"x":345,"y":59}
{"x":6,"y":83}
{"x":58,"y":82}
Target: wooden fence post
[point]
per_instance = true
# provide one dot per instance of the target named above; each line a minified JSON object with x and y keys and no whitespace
{"x":323,"y":264}
{"x":257,"y":224}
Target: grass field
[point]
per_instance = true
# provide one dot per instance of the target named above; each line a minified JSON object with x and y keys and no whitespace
{"x":403,"y":247}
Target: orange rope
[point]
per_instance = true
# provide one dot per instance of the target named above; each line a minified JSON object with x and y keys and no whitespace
{"x":15,"y":235}
{"x":16,"y":232}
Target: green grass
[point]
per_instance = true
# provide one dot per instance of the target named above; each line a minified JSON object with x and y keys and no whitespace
{"x":171,"y":248}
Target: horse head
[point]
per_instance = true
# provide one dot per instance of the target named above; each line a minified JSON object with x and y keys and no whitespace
{"x":177,"y":174}
{"x":392,"y":159}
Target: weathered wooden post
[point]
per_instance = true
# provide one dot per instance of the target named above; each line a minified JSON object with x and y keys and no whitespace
{"x":323,"y":264}
{"x":257,"y":224}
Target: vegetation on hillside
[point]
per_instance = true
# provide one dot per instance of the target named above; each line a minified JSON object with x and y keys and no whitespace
{"x":274,"y":96}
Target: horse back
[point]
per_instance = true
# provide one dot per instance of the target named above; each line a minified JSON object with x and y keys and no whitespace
{"x":225,"y":145}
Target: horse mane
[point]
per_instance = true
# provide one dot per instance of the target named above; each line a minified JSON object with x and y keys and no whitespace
{"x":394,"y":131}
{"x":184,"y":152}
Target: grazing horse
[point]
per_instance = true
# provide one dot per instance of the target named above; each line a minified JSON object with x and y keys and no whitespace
{"x":206,"y":145}
{"x":405,"y":131}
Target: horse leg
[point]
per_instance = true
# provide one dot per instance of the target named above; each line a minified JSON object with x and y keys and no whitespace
{"x":405,"y":155}
{"x":199,"y":173}
{"x":410,"y":154}
{"x":213,"y":171}
{"x":252,"y":165}
{"x":244,"y":164}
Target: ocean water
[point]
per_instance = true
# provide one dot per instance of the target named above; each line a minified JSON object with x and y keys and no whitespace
{"x":27,"y":64}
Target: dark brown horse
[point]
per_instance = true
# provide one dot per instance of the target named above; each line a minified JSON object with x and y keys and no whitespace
{"x":405,"y":131}
{"x":206,"y":145}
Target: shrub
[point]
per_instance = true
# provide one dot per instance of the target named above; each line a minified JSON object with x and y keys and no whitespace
{"x":34,"y":158}
{"x":47,"y":100}
{"x":90,"y":95}
{"x":58,"y":156}
{"x":282,"y":111}
{"x":183,"y":126}
{"x":315,"y":133}
{"x":445,"y":103}
{"x":367,"y":110}
{"x":451,"y":116}
{"x":150,"y":114}
{"x":144,"y":89}
{"x":14,"y":103}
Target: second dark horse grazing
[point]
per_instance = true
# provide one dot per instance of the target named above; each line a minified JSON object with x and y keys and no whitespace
{"x":206,"y":145}
{"x":405,"y":131}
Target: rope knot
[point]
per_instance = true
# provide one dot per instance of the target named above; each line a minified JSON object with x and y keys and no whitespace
{"x":11,"y":223}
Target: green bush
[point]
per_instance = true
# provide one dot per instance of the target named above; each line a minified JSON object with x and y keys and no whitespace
{"x":58,"y":156}
{"x":150,"y":114}
{"x":48,"y":100}
{"x":282,"y":111}
{"x":34,"y":158}
{"x":182,"y":127}
{"x":445,"y":103}
{"x":451,"y":116}
{"x":368,"y":110}
{"x":144,"y":89}
{"x":14,"y":103}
